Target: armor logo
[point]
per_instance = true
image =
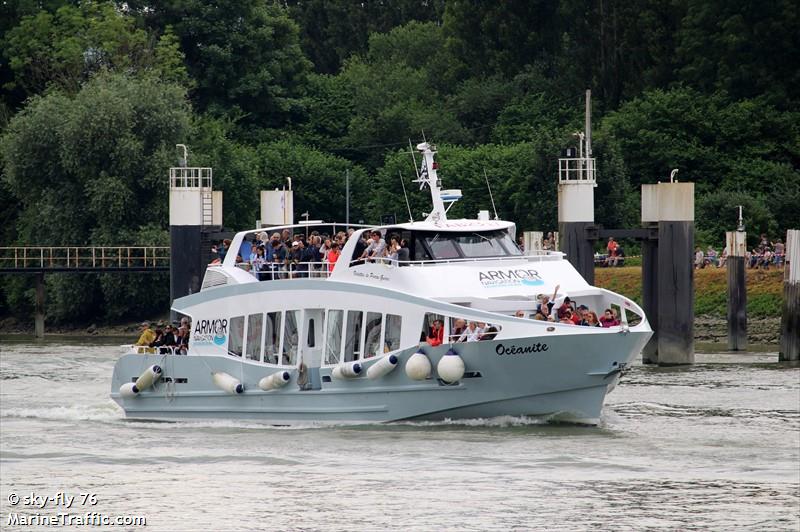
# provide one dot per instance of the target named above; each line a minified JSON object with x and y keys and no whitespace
{"x":510,"y":277}
{"x":211,"y":331}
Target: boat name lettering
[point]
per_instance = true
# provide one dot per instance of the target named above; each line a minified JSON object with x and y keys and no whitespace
{"x":217,"y":327}
{"x":519,"y":349}
{"x":370,"y":275}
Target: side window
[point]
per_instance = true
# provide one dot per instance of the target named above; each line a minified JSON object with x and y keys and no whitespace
{"x":272,"y":337}
{"x":290,"y":338}
{"x":236,"y":338}
{"x":432,"y":329}
{"x":352,"y":341}
{"x":372,"y":342}
{"x":253,"y":348}
{"x":392,"y":336}
{"x":333,"y":336}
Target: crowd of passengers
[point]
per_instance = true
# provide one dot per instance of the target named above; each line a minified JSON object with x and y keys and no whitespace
{"x":166,"y":338}
{"x":461,"y":331}
{"x":570,"y":313}
{"x":285,"y":255}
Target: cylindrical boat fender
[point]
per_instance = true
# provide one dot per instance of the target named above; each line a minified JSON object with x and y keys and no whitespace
{"x":382,"y":367}
{"x":274,"y":381}
{"x":226,"y":382}
{"x":149,"y":377}
{"x":450,"y":367}
{"x":347,"y":371}
{"x":129,"y":389}
{"x":418,"y":366}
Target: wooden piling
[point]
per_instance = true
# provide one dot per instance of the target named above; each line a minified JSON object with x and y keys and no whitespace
{"x":675,"y":274}
{"x":736,"y":242}
{"x":790,"y":318}
{"x":650,"y":297}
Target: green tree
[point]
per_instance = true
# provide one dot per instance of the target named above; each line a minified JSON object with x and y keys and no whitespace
{"x":245,"y":57}
{"x":746,"y":48}
{"x":334,"y":30}
{"x":90,"y":168}
{"x":65,"y":48}
{"x":394,"y":93}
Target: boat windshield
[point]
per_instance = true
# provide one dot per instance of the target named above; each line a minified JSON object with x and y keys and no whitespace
{"x":444,"y":246}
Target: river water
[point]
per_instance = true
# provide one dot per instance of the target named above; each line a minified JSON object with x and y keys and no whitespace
{"x":715,"y":446}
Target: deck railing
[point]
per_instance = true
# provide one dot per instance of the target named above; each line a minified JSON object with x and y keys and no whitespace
{"x":83,"y":257}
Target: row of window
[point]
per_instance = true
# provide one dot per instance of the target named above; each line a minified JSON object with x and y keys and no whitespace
{"x":349,"y":335}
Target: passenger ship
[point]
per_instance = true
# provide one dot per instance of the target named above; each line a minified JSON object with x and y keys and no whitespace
{"x":350,"y":346}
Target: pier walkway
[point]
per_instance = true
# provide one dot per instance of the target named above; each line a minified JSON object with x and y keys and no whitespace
{"x":84,"y":259}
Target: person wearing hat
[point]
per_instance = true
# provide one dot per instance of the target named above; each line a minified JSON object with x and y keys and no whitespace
{"x":148,"y":336}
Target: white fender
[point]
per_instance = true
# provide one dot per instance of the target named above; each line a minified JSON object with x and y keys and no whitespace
{"x":418,"y":366}
{"x":382,"y":367}
{"x":149,"y":377}
{"x":274,"y":381}
{"x":450,"y":367}
{"x":226,"y":382}
{"x":347,"y":371}
{"x":129,"y":389}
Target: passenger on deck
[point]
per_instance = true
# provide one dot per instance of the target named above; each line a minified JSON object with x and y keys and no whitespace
{"x":167,"y":340}
{"x":333,"y":256}
{"x":147,"y":337}
{"x":311,"y":255}
{"x":519,"y":314}
{"x":296,"y":257}
{"x":547,"y":304}
{"x":358,"y":252}
{"x":436,"y":335}
{"x":182,"y":341}
{"x":490,"y":333}
{"x":393,"y":249}
{"x":608,"y":319}
{"x":279,"y":258}
{"x":457,"y":329}
{"x":565,"y":307}
{"x":257,"y":263}
{"x":471,"y":334}
{"x":403,"y":254}
{"x":376,"y":247}
{"x":591,"y":319}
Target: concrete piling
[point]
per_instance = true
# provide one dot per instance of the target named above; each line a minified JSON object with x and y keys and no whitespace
{"x":736,"y":242}
{"x":790,"y":318}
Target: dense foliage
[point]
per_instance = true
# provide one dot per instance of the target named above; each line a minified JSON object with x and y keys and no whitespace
{"x":94,"y":96}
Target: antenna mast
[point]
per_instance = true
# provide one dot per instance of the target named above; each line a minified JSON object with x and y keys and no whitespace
{"x":491,"y":197}
{"x":408,"y":206}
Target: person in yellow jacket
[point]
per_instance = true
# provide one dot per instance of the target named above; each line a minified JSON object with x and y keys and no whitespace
{"x":147,"y":337}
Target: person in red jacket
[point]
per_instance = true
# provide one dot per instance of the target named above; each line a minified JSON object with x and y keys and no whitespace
{"x":436,"y":335}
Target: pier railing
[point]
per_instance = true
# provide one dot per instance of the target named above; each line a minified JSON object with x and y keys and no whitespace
{"x":83,"y":258}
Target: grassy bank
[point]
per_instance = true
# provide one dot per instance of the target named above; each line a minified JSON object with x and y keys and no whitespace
{"x":764,"y":289}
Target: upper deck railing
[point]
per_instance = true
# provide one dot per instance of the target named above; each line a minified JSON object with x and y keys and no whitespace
{"x":25,"y":259}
